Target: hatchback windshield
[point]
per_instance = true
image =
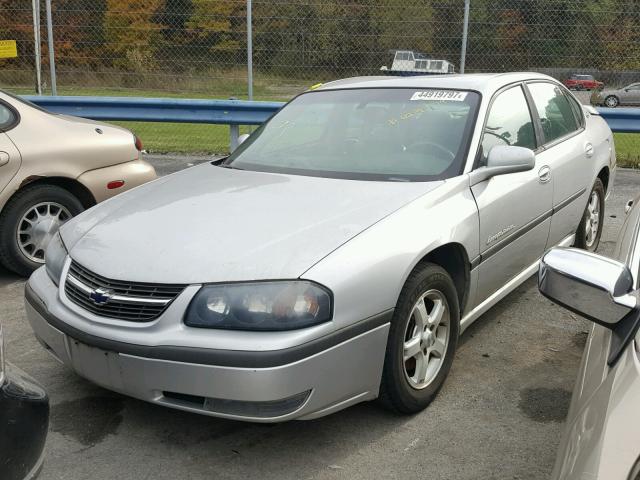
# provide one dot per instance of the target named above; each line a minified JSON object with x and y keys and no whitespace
{"x":370,"y":134}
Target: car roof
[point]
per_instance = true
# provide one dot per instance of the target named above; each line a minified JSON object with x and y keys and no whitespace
{"x":485,"y":83}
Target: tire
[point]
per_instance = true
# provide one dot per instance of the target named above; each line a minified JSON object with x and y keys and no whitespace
{"x":611,"y":101}
{"x":588,"y":237}
{"x":400,"y":390}
{"x":50,"y":201}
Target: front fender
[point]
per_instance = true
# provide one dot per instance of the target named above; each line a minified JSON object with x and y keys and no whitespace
{"x":367,"y":273}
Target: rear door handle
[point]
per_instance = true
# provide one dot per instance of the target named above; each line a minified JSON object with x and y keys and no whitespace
{"x":544,"y":174}
{"x":588,"y":150}
{"x":4,"y":158}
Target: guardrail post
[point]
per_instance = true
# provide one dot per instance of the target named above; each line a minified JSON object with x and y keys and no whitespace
{"x":234,"y":130}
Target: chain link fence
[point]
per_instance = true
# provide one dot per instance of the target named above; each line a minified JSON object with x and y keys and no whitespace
{"x":198,"y":48}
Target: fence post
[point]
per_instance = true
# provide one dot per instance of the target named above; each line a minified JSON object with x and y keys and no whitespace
{"x":249,"y":50}
{"x":465,"y":31}
{"x":35,"y":4}
{"x":52,"y":59}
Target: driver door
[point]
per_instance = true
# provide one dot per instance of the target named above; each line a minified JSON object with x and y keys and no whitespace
{"x":514,"y":209}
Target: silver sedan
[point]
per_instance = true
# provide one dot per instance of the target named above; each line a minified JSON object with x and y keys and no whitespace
{"x":335,"y":256}
{"x":625,"y":96}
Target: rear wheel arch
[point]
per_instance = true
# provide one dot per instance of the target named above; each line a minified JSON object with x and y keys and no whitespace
{"x":74,"y":187}
{"x":603,"y":175}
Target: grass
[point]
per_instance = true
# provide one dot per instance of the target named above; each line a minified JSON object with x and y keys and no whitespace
{"x":627,"y":149}
{"x":182,"y":137}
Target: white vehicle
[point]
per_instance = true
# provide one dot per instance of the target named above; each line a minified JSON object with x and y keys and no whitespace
{"x":408,"y":62}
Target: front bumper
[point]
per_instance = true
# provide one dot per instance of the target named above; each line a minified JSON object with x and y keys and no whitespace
{"x":302,"y":382}
{"x":133,"y":173}
{"x":24,"y":422}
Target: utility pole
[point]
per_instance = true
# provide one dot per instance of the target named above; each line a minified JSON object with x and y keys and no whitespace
{"x":249,"y":50}
{"x":465,"y":31}
{"x":52,"y":59}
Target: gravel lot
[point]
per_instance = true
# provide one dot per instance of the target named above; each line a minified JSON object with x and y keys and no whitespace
{"x":499,"y":416}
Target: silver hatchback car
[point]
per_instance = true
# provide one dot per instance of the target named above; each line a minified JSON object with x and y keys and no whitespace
{"x":335,"y":256}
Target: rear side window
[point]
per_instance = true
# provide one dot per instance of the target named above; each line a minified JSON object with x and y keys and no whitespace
{"x":7,"y":117}
{"x":577,"y":109}
{"x":555,"y":112}
{"x":508,"y":123}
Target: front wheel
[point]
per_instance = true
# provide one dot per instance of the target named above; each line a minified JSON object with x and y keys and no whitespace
{"x":590,"y":228}
{"x":422,"y":340}
{"x":28,"y":222}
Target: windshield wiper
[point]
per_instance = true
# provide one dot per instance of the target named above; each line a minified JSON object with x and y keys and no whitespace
{"x":228,"y":165}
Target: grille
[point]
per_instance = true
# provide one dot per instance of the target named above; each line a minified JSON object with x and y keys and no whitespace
{"x":135,"y":302}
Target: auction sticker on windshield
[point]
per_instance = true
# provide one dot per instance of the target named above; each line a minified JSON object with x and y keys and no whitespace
{"x":449,"y":95}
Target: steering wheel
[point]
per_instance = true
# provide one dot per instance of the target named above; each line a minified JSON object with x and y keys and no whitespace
{"x":501,"y":137}
{"x":418,"y":146}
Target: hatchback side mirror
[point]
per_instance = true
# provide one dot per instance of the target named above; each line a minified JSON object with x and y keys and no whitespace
{"x":595,"y":287}
{"x":503,"y":159}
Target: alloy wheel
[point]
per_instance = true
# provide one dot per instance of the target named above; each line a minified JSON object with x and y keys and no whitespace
{"x":426,"y":339}
{"x":611,"y":102}
{"x":38,"y":226}
{"x":592,"y":224}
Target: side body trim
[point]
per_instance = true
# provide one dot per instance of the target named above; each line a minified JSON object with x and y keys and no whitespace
{"x":511,"y":285}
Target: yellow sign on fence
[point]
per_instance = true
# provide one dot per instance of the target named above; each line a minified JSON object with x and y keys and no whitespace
{"x":8,"y":49}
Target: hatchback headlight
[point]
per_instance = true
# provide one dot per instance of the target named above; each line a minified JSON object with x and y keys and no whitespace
{"x":54,"y":258}
{"x":261,"y":306}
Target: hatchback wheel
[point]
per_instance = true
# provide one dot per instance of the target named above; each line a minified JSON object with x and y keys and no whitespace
{"x":611,"y":101}
{"x":422,"y":340}
{"x":590,"y":228}
{"x":28,"y":222}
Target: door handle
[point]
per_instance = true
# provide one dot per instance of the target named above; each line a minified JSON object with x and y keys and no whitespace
{"x":588,"y":150}
{"x":544,"y":174}
{"x":4,"y":158}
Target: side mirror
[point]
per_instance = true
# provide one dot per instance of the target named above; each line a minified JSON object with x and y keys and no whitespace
{"x":595,"y":287}
{"x":504,"y":159}
{"x":242,"y":138}
{"x":590,"y":285}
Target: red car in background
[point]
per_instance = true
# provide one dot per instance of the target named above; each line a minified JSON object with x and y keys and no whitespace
{"x":583,"y":82}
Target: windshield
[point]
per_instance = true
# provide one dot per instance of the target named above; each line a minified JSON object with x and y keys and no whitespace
{"x":366,"y":134}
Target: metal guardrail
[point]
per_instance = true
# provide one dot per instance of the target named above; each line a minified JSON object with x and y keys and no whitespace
{"x":173,"y":110}
{"x":225,"y":112}
{"x":621,"y":120}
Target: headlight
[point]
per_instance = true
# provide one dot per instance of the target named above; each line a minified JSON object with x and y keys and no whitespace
{"x":262,"y":306}
{"x":54,"y":257}
{"x":2,"y":368}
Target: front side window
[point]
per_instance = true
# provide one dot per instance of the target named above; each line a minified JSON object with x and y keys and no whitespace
{"x":390,"y":134}
{"x":634,"y":86}
{"x":508,"y":122}
{"x":555,"y":111}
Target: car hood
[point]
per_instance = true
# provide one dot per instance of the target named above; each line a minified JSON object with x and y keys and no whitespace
{"x":213,"y":224}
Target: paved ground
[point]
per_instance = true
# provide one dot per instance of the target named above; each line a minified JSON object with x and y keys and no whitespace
{"x":499,"y":416}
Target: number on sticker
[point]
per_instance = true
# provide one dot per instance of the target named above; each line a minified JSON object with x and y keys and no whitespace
{"x":441,"y":95}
